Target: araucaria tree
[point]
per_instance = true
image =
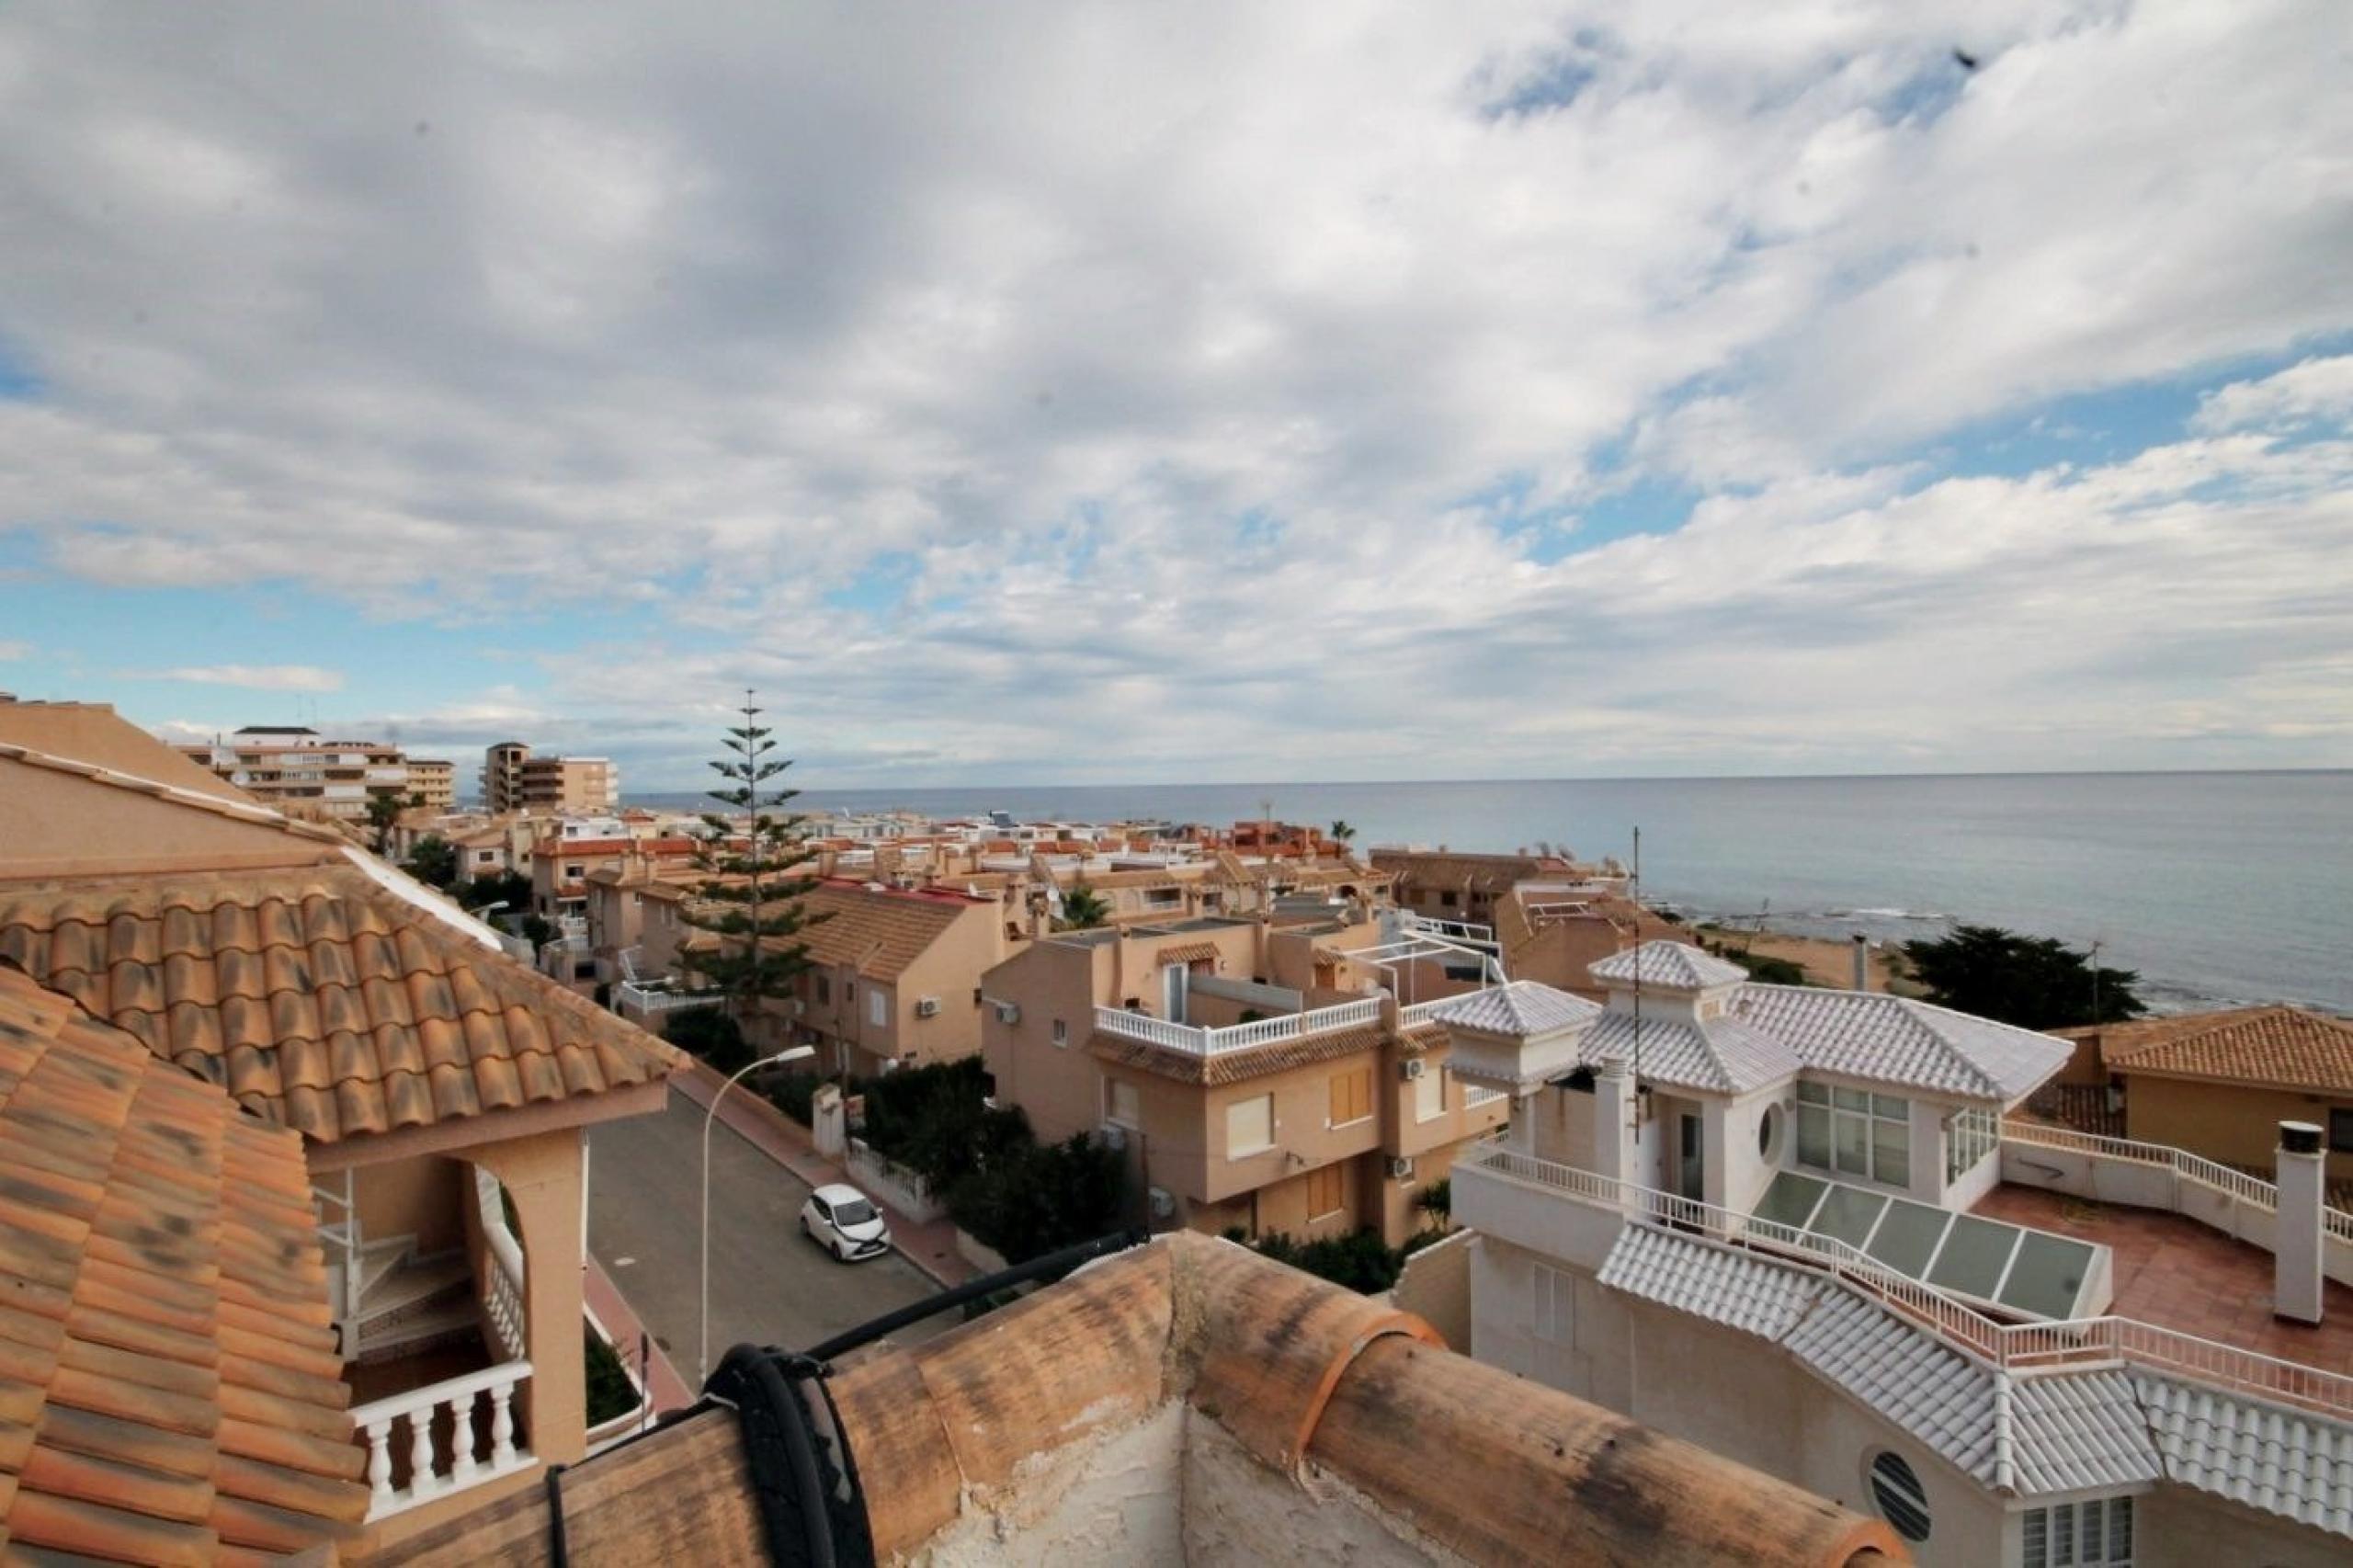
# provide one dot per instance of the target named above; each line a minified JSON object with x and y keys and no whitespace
{"x":749,"y":900}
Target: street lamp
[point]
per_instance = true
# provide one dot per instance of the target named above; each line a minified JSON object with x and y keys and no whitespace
{"x":703,"y":1345}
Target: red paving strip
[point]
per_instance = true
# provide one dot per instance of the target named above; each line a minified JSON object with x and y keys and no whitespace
{"x":929,"y":1244}
{"x":612,"y":1309}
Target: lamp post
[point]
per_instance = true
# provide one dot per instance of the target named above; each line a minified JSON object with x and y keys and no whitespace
{"x":702,"y":1344}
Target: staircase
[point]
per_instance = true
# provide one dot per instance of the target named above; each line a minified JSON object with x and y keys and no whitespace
{"x":408,"y":1301}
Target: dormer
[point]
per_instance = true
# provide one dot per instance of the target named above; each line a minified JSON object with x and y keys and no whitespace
{"x":1678,"y":983}
{"x":1516,"y":1036}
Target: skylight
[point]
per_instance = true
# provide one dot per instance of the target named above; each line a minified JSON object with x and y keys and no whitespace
{"x":2032,"y":1273}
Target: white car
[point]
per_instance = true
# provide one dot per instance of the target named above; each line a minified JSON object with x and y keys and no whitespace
{"x":845,"y":1221}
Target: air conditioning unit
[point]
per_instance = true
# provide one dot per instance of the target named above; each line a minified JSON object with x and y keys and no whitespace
{"x":927,"y":1007}
{"x":1007,"y":1012}
{"x":1164,"y":1203}
{"x":1401,"y":1168}
{"x":1415,"y":1068}
{"x":1113,"y":1136}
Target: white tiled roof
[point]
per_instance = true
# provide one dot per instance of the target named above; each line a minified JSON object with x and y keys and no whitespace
{"x":1724,"y":1054}
{"x":2267,"y":1456}
{"x":1894,"y":1039}
{"x":2073,"y":1431}
{"x":1937,"y":1394}
{"x":1724,"y":1284}
{"x":1674,"y":965}
{"x":1522,"y":1008}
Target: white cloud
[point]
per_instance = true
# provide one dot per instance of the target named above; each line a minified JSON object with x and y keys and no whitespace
{"x":11,"y":651}
{"x":2316,"y":390}
{"x":252,"y":678}
{"x":1175,"y":361}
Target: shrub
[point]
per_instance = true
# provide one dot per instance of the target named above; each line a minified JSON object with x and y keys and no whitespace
{"x":1436,"y":1200}
{"x":610,"y":1394}
{"x":711,"y":1036}
{"x":1024,"y":1199}
{"x":795,"y":1093}
{"x":1361,"y":1261}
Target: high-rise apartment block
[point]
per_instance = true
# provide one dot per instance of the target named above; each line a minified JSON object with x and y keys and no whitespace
{"x":301,"y":772}
{"x":515,"y":780}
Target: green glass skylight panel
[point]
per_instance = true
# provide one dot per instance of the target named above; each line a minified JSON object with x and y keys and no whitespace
{"x":1976,"y":1254}
{"x":1907,"y":1238}
{"x":1790,"y":1200}
{"x":2046,"y":1274}
{"x":1848,"y":1213}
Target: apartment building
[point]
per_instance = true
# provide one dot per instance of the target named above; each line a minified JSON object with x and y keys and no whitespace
{"x":433,"y":783}
{"x":1443,"y":884}
{"x":1794,"y":1225}
{"x":305,"y":774}
{"x":514,"y":780}
{"x":1246,"y":1091}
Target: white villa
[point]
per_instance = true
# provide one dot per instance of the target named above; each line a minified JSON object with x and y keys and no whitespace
{"x":1795,"y":1225}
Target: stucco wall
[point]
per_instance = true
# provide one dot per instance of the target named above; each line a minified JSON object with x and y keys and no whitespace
{"x":2236,"y":1125}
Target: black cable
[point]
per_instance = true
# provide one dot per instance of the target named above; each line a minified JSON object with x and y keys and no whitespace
{"x":559,"y":1548}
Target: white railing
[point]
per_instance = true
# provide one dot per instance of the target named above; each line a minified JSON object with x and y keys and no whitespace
{"x":503,"y":1295}
{"x":444,"y":1412}
{"x":1420,"y":1012}
{"x":2023,"y":1348}
{"x":657,"y":999}
{"x":1197,"y":1041}
{"x":2228,"y":1180}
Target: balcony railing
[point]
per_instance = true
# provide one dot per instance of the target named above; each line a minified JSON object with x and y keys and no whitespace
{"x":2224,"y":1181}
{"x":449,"y":1441}
{"x":656,"y":999}
{"x":1197,"y":1041}
{"x":2022,"y":1348}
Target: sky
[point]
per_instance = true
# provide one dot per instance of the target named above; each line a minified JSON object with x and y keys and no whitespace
{"x":1187,"y":393}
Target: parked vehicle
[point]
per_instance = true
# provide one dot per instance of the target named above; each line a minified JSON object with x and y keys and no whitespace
{"x":846,"y":1223}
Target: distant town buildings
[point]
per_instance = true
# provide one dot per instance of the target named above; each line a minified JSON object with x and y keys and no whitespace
{"x":299,"y":771}
{"x":514,"y":780}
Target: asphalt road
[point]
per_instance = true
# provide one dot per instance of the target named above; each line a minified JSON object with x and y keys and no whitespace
{"x":768,"y":1284}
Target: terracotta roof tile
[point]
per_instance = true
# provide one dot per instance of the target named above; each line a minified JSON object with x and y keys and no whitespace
{"x":2286,"y":1046}
{"x":154,"y":1236}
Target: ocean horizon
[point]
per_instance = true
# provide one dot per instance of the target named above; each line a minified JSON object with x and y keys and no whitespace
{"x":2219,"y":887}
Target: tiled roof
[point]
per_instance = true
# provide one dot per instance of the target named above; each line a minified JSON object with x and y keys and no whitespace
{"x":1234,"y":1066}
{"x":1674,"y":965}
{"x":2074,"y":1431}
{"x":2286,"y":1046}
{"x":1936,"y":1393}
{"x":879,"y":932}
{"x":1894,"y":1039}
{"x":242,"y":808}
{"x":1724,"y":1284}
{"x":320,"y":997}
{"x":1723,"y":1055}
{"x":1185,"y":952}
{"x":1522,"y":1008}
{"x":169,"y":1384}
{"x":2280,"y":1461}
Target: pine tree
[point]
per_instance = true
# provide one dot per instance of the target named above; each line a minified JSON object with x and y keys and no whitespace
{"x":749,"y":898}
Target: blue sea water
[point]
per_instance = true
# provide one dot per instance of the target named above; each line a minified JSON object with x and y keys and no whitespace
{"x":2217,"y":887}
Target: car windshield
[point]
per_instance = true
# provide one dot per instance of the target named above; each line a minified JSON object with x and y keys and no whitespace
{"x":853,"y":1212}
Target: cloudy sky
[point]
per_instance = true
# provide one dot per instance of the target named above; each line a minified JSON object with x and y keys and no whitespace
{"x":1191,"y":392}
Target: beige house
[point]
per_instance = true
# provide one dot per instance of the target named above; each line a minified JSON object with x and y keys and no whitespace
{"x":894,"y":976}
{"x":436,"y":1086}
{"x":1244,"y":1094}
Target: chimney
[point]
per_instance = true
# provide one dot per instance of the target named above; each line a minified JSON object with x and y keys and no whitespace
{"x":1613,"y":1116}
{"x":1862,"y":963}
{"x":2300,"y":1170}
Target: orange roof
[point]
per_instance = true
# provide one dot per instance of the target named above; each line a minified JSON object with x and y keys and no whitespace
{"x":2284,"y":1046}
{"x":168,"y":1373}
{"x":319,"y":998}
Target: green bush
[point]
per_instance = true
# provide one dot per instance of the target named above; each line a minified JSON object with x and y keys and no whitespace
{"x":711,"y":1036}
{"x":795,"y":1093}
{"x":1762,"y":968}
{"x":1026,"y":1199}
{"x":610,"y":1394}
{"x":1361,"y":1261}
{"x":1436,"y":1200}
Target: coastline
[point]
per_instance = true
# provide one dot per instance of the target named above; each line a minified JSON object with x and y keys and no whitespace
{"x":1825,"y":963}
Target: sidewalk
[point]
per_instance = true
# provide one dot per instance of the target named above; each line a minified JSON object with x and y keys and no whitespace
{"x":930,"y":1245}
{"x":626,"y":1333}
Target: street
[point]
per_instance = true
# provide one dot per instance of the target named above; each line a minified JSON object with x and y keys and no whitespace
{"x":768,"y":1283}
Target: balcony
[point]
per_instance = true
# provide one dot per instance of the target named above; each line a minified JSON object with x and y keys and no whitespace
{"x":1195,"y":1041}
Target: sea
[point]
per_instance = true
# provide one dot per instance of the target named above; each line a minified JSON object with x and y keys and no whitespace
{"x":2218,"y":888}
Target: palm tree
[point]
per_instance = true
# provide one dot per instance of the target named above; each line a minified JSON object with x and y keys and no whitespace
{"x":1083,"y":909}
{"x":1341,"y":832}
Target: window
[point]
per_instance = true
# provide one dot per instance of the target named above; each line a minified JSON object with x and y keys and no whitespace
{"x":878,"y":1007}
{"x":572,"y":873}
{"x":1897,"y":1491}
{"x":1447,"y":898}
{"x":1119,"y":1103}
{"x":1553,"y":1311}
{"x":2340,"y":1130}
{"x":1062,"y":1033}
{"x":1970,"y":1136}
{"x":825,"y":990}
{"x":1768,"y":1131}
{"x":2096,"y":1533}
{"x":1325,"y":1192}
{"x":1855,"y":1133}
{"x":1429,"y":1093}
{"x":1351,"y":1095}
{"x":1249,"y":1126}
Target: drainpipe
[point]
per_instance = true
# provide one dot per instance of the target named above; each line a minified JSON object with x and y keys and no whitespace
{"x":2300,"y":1168}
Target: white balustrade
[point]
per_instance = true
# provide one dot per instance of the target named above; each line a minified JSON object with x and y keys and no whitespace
{"x":1197,"y":1041}
{"x":422,"y":1420}
{"x":2240,"y":1187}
{"x":2021,"y":1348}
